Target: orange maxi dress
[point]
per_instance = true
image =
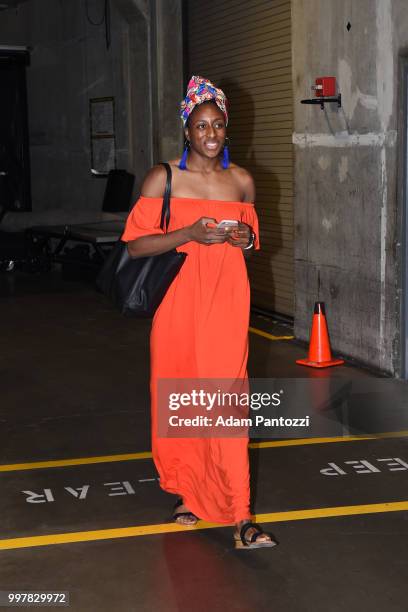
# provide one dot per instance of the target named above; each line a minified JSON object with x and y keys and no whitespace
{"x":200,"y":330}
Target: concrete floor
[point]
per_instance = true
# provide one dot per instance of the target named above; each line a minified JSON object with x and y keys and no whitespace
{"x":74,"y":384}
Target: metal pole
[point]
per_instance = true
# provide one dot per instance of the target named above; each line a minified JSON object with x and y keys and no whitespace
{"x":404,"y":263}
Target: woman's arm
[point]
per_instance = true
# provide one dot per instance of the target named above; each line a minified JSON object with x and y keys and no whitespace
{"x":248,"y":187}
{"x":242,"y":236}
{"x":155,"y":244}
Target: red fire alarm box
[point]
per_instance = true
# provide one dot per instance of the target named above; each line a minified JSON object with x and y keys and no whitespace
{"x":325,"y":87}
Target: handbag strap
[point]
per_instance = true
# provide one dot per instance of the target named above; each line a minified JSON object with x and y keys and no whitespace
{"x":165,"y":213}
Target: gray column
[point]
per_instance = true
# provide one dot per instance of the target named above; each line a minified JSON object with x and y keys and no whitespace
{"x":167,"y":78}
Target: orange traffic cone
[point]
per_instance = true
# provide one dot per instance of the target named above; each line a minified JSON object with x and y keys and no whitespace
{"x":319,"y":348}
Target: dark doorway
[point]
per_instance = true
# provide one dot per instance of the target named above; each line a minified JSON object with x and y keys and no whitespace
{"x":15,"y":192}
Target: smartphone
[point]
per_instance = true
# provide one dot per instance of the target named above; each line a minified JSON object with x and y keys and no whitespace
{"x":227,"y":224}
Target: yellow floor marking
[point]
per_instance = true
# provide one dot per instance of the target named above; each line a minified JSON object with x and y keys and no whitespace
{"x":264,"y":334}
{"x":80,"y":461}
{"x":144,"y":530}
{"x":37,"y":465}
{"x":305,"y":441}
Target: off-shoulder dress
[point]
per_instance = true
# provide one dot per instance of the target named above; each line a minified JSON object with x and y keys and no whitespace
{"x":200,"y":330}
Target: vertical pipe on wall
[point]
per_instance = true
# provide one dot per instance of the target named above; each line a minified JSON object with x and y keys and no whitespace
{"x":167,"y":77}
{"x":404,"y":225}
{"x":153,"y":82}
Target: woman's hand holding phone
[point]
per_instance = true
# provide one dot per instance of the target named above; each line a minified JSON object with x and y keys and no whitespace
{"x":240,"y":235}
{"x":208,"y":231}
{"x":205,"y":231}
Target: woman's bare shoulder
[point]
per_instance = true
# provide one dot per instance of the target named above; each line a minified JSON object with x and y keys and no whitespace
{"x":245,"y":182}
{"x":154,"y":182}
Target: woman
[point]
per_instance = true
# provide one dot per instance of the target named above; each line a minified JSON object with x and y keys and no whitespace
{"x":200,"y":330}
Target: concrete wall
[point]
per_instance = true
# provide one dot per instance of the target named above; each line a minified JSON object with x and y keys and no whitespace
{"x":346,"y":206}
{"x":70,"y":64}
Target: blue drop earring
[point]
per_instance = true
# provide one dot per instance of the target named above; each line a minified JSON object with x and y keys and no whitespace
{"x":183,"y":160}
{"x":225,"y":157}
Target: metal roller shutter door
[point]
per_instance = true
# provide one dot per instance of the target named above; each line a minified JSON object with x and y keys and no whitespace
{"x":244,"y":46}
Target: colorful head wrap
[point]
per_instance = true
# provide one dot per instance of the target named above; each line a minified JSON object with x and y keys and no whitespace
{"x":201,"y":90}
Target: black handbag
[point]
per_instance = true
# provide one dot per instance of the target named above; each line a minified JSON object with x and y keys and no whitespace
{"x":138,"y":285}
